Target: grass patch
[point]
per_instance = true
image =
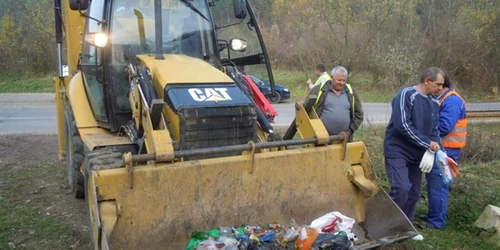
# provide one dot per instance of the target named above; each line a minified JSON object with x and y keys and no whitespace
{"x":296,"y":82}
{"x":24,"y":221}
{"x":26,"y":84}
{"x":368,"y":89}
{"x":474,"y":95}
{"x":21,"y":222}
{"x":476,"y":187}
{"x":483,"y":143}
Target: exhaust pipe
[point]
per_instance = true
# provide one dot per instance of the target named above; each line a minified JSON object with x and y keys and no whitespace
{"x":158,"y":31}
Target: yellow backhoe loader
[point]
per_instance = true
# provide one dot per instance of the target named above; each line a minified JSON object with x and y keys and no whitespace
{"x":161,"y":137}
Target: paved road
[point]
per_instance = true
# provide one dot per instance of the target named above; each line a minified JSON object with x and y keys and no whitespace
{"x":35,"y":113}
{"x":375,"y":113}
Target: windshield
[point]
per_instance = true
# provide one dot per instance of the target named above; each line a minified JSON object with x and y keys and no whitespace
{"x":257,"y":80}
{"x":230,"y":27}
{"x":186,"y":29}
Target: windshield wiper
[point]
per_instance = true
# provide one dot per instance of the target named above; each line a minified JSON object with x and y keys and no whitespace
{"x":191,"y":6}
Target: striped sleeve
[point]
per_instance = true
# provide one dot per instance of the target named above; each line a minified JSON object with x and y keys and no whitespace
{"x":402,"y":107}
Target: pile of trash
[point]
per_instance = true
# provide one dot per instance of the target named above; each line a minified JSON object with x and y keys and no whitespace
{"x":332,"y":231}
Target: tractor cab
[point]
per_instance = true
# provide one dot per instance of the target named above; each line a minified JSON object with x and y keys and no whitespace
{"x":223,"y":34}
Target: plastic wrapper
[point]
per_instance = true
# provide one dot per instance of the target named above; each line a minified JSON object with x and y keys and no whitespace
{"x":306,"y":238}
{"x":207,"y":245}
{"x":333,"y":222}
{"x":448,"y":167}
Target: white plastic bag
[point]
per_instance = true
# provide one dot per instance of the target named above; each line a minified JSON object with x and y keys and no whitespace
{"x":427,"y":161}
{"x":333,"y":222}
{"x":442,"y":161}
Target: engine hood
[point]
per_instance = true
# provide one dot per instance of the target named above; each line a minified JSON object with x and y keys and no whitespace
{"x":181,"y":69}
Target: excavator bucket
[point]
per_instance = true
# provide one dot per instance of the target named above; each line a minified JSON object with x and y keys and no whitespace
{"x":158,"y":206}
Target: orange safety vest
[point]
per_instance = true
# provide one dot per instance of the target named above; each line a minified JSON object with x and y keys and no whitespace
{"x":458,"y":136}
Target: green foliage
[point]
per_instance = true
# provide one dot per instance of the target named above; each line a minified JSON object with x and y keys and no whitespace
{"x":26,"y":83}
{"x":392,"y":39}
{"x":396,"y":65}
{"x":27,"y":37}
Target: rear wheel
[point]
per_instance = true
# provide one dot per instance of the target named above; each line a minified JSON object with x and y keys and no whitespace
{"x":275,"y":99}
{"x":74,"y":155}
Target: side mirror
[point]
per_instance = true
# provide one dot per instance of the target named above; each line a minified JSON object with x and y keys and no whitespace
{"x":78,"y":4}
{"x":240,"y":9}
{"x":237,"y":44}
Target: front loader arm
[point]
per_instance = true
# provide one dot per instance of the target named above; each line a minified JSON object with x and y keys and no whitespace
{"x":147,"y":111}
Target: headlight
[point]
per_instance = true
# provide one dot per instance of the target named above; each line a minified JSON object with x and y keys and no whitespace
{"x":97,"y":39}
{"x":238,"y":44}
{"x":286,"y":90}
{"x":269,"y":89}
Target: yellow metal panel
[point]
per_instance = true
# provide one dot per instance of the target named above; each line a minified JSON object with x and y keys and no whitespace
{"x":61,"y":135}
{"x":156,"y":141}
{"x":169,"y":201}
{"x":309,"y":127}
{"x":93,"y":210}
{"x":108,"y":213}
{"x":173,"y":121}
{"x":162,"y":141}
{"x":182,"y":69}
{"x":74,"y":27}
{"x":84,"y":117}
{"x":98,"y":137}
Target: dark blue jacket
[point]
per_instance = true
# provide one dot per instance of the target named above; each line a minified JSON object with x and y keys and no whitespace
{"x":413,"y":125}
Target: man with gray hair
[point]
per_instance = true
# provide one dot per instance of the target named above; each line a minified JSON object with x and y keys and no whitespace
{"x":338,"y":104}
{"x":412,"y":130}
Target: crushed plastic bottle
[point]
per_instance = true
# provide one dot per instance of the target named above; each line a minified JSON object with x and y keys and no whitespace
{"x":253,"y":229}
{"x":226,"y":231}
{"x":274,"y":226}
{"x":269,"y":236}
{"x":289,"y":235}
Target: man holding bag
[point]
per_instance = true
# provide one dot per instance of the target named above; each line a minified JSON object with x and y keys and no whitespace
{"x":412,"y":130}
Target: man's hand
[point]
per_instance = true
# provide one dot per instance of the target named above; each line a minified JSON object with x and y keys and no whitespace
{"x":309,"y":81}
{"x":434,"y":146}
